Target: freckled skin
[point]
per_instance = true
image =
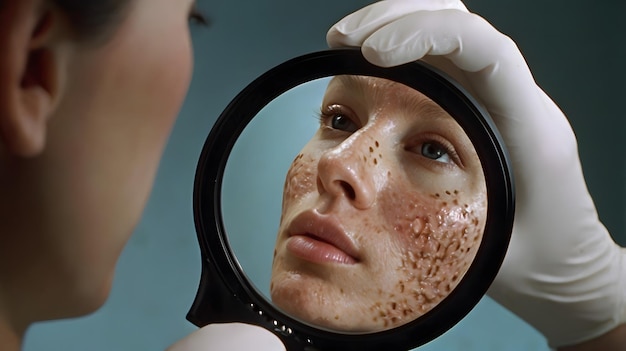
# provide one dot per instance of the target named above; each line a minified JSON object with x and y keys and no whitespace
{"x":438,"y":246}
{"x":299,"y":178}
{"x":416,"y":222}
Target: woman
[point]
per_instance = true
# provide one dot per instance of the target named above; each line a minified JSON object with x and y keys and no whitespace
{"x":382,"y":209}
{"x":89,"y":91}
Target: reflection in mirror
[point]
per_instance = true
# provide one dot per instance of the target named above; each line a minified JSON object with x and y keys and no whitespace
{"x":354,"y":203}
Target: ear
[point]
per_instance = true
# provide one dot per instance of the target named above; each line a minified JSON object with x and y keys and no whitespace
{"x":30,"y":87}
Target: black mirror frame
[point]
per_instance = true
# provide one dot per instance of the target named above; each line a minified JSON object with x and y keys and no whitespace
{"x":225,"y":294}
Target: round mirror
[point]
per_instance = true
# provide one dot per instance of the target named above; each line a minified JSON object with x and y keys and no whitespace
{"x":348,"y":206}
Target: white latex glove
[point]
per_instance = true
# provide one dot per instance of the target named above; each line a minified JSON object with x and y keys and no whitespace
{"x":563,"y":273}
{"x":229,"y":337}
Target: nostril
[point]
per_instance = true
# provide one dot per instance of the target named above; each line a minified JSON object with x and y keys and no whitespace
{"x":347,"y":189}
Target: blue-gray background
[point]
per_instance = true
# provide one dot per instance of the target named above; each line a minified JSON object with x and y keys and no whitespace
{"x":576,"y":51}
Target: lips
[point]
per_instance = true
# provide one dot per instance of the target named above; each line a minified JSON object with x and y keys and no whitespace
{"x":320,"y":239}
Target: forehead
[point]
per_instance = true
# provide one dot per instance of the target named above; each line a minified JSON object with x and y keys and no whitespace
{"x":384,"y":93}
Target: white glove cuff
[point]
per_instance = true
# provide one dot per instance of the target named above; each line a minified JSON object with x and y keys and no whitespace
{"x":568,"y":309}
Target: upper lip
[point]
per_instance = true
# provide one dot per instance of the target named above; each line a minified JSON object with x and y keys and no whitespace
{"x":324,"y":228}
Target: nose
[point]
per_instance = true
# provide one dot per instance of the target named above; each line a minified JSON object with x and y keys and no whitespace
{"x":347,"y":170}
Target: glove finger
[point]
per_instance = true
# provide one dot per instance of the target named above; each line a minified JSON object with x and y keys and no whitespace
{"x":490,"y":66}
{"x":353,"y":29}
{"x":469,"y":42}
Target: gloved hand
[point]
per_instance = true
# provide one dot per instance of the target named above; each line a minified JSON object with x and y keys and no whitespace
{"x":231,"y":337}
{"x":563,"y":273}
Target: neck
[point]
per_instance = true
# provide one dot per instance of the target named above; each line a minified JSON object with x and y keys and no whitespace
{"x":10,"y":338}
{"x":11,"y":334}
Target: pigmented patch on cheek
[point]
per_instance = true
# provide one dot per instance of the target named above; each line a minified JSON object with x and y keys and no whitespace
{"x":300,"y":179}
{"x":439,"y":235}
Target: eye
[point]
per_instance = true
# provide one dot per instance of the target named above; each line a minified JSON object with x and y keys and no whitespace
{"x":335,"y":117}
{"x":436,"y":151}
{"x":342,"y":122}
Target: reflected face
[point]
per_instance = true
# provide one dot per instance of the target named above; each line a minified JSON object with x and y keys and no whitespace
{"x":383,"y":210}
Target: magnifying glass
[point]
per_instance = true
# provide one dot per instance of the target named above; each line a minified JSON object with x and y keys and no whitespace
{"x":347,"y":206}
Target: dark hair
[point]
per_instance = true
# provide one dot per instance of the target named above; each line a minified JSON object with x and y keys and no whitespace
{"x":94,"y":20}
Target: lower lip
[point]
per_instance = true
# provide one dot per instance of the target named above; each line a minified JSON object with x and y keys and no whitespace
{"x":310,"y":249}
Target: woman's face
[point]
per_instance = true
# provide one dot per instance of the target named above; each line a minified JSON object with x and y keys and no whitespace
{"x":83,"y":195}
{"x":383,"y":210}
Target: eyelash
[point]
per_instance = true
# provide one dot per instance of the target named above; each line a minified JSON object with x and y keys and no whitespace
{"x":197,"y":17}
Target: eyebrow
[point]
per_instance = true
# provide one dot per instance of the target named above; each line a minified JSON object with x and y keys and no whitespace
{"x":427,"y":108}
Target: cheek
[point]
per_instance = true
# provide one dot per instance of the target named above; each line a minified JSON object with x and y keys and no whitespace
{"x":149,"y":71}
{"x":168,"y":80}
{"x":300,"y":180}
{"x":437,"y":236}
{"x":127,"y":98}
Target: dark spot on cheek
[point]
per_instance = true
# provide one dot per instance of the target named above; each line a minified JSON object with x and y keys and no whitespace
{"x":376,"y":143}
{"x":371,"y":149}
{"x":375,"y":161}
{"x":297,"y":158}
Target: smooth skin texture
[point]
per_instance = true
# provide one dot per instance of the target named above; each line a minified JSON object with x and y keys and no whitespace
{"x":83,"y":124}
{"x":82,"y":129}
{"x":383,"y":210}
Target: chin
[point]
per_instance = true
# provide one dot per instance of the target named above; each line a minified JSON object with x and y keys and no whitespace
{"x":84,"y":298}
{"x":306,"y":300}
{"x":329,"y":316}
